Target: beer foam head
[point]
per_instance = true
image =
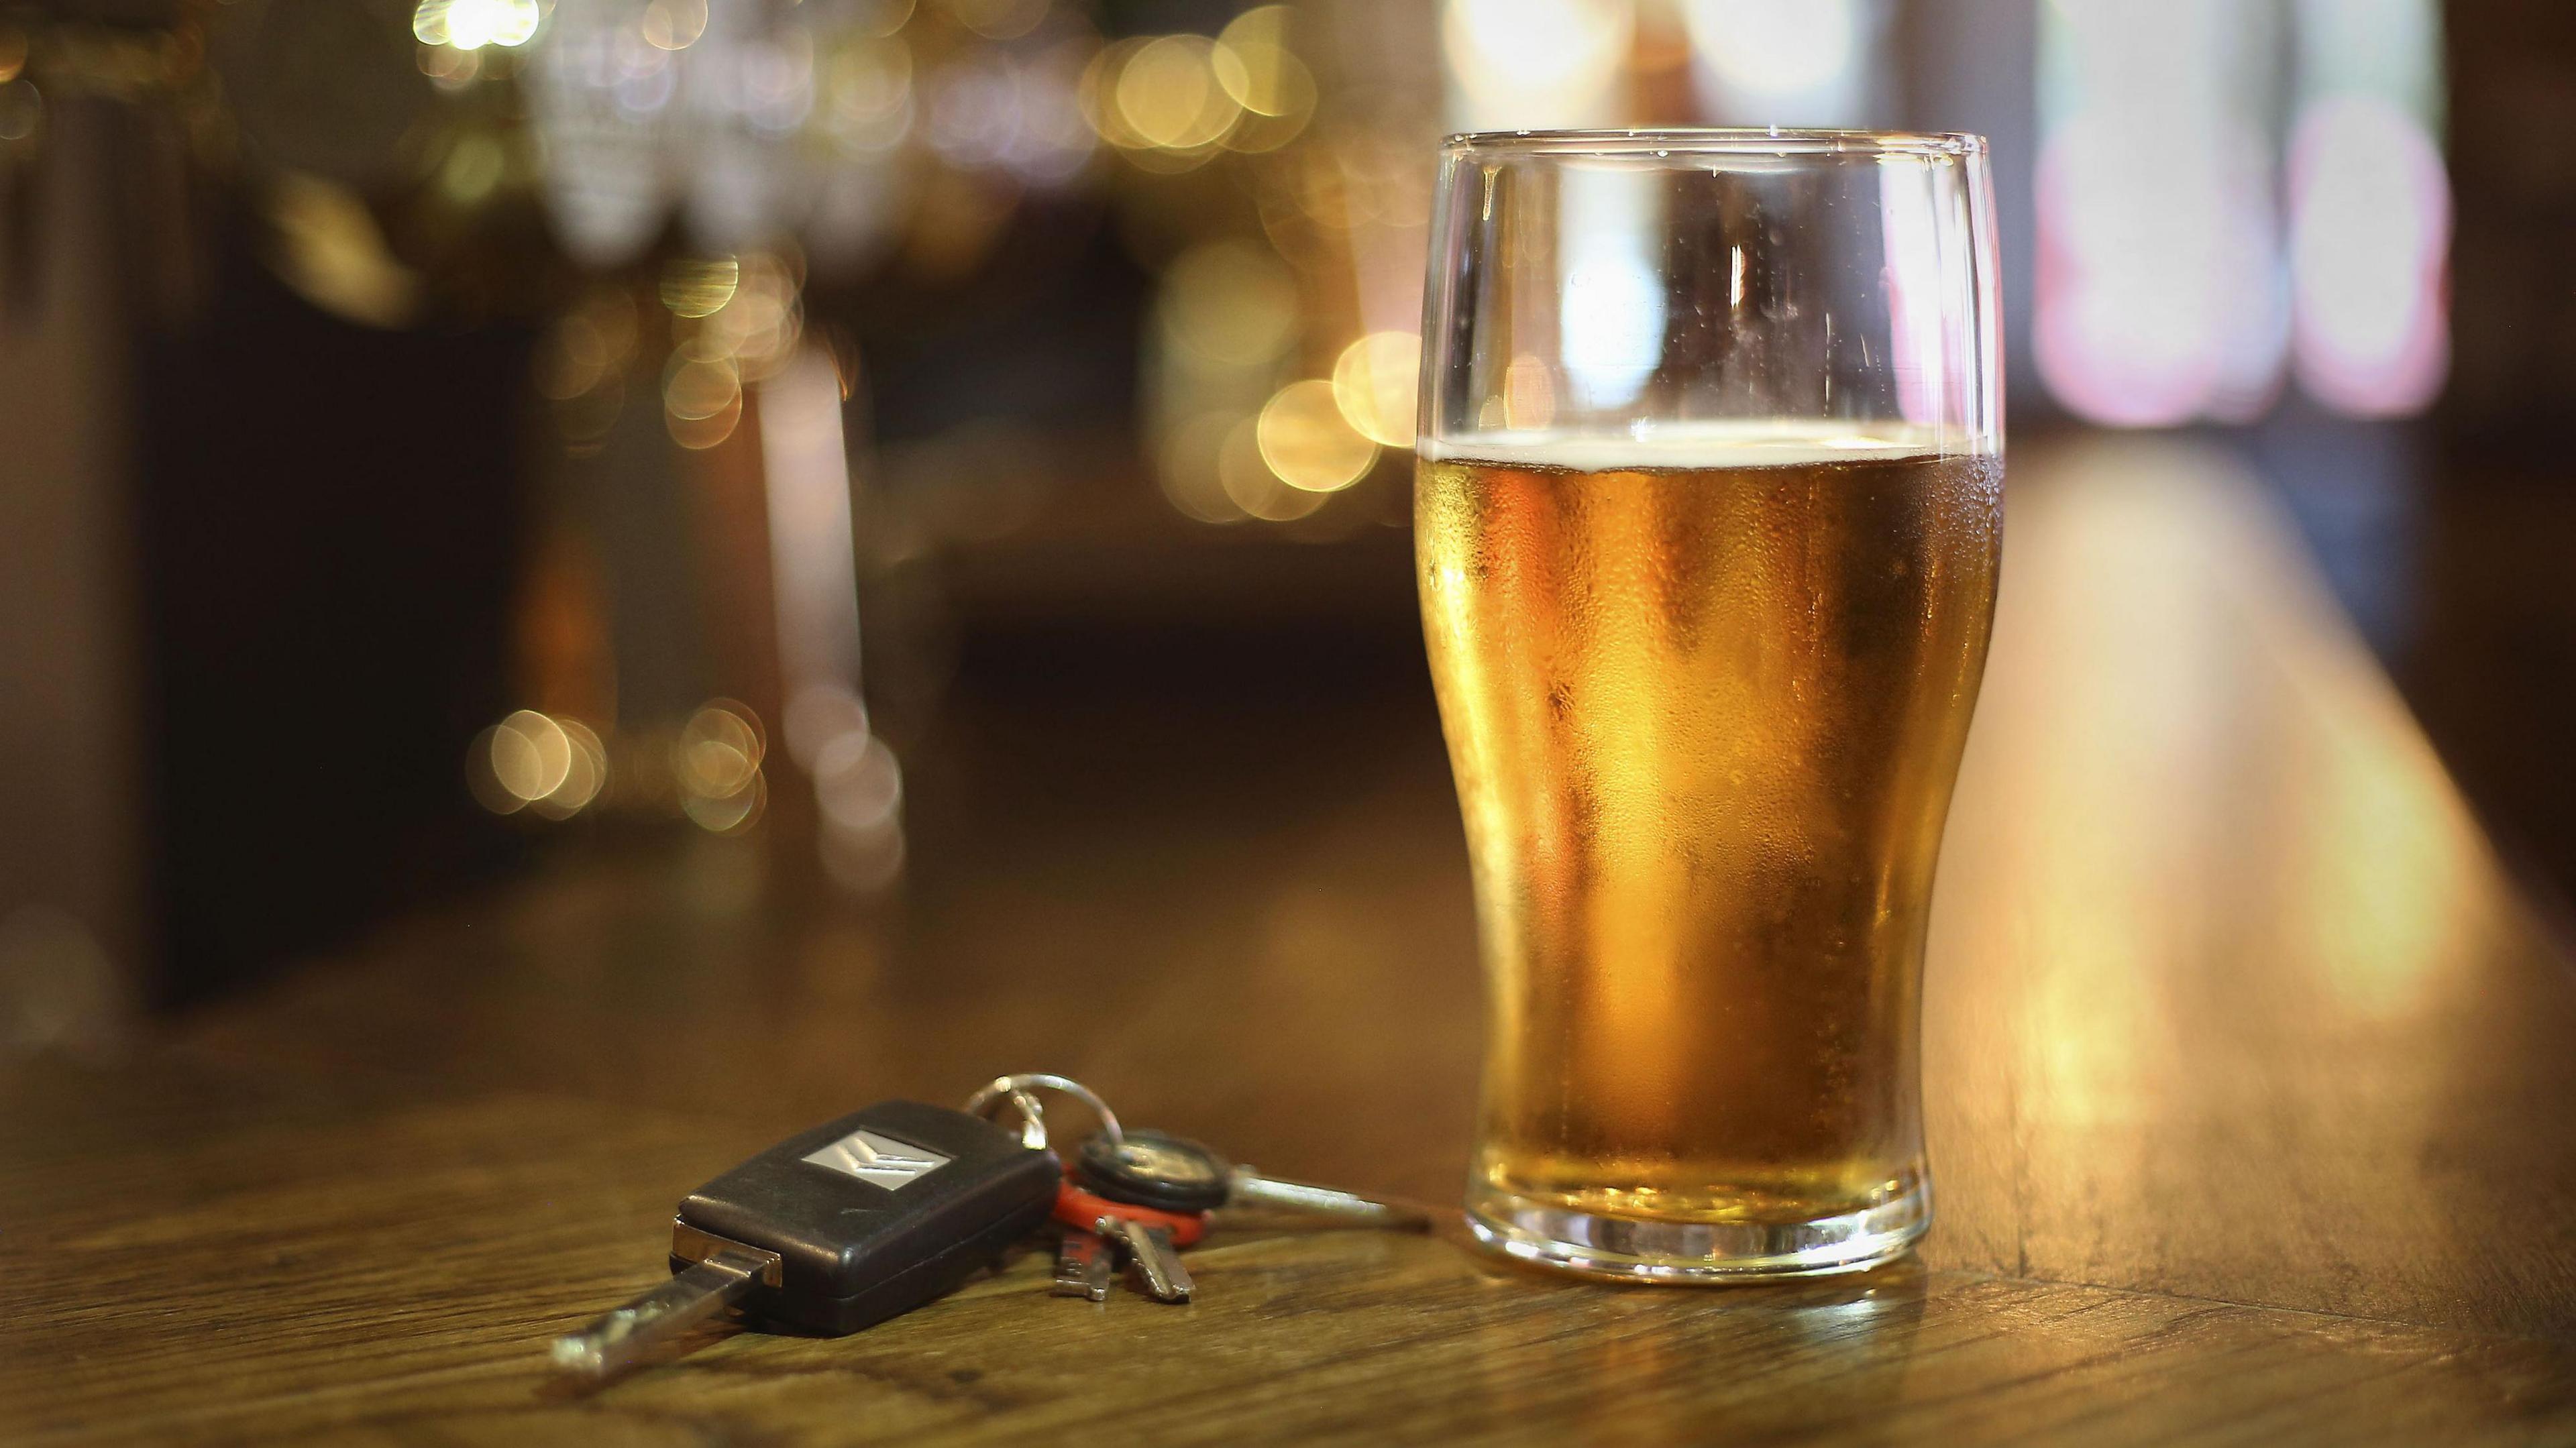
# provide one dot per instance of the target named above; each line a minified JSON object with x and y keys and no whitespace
{"x":1700,"y":443}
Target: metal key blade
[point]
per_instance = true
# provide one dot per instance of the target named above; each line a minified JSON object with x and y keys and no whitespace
{"x":1151,"y":1253}
{"x":620,"y":1339}
{"x":1249,"y":1188}
{"x":1168,"y":1254}
{"x":1084,"y":1266}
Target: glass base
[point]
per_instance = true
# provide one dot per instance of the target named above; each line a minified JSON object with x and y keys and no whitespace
{"x":1637,"y":1249}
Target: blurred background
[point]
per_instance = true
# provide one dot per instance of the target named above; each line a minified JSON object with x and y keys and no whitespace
{"x":441,"y":440}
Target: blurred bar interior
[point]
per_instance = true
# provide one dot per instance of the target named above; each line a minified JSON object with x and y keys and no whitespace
{"x":444,"y":435}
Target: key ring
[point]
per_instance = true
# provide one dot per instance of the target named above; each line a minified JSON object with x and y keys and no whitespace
{"x":1033,"y":1132}
{"x":1017,"y":1089}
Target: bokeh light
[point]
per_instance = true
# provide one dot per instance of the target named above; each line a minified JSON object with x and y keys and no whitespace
{"x":1526,"y":63}
{"x":1374,"y":384}
{"x":1759,"y":62}
{"x":2370,"y":223}
{"x":553,"y":767}
{"x":697,"y":286}
{"x":2158,"y":264}
{"x":585,"y":773}
{"x":1252,"y":486}
{"x":1253,"y":62}
{"x":731,"y":814}
{"x":716,"y":761}
{"x":858,"y":791}
{"x":720,"y":749}
{"x":759,"y":325}
{"x":701,"y":396}
{"x":1308,"y":443}
{"x":474,"y":24}
{"x":1168,"y":94}
{"x":531,"y":755}
{"x":858,"y":782}
{"x":674,"y":24}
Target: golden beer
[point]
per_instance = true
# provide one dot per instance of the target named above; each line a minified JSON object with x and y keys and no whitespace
{"x":1705,"y":699}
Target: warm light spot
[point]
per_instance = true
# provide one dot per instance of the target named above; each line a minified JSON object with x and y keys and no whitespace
{"x":530,"y":756}
{"x":1305,"y":440}
{"x":698,"y":385}
{"x":697,"y":286}
{"x":1374,"y":382}
{"x":1250,"y":484}
{"x":1276,"y":90}
{"x":473,"y":24}
{"x":720,"y":749}
{"x":1099,"y":94}
{"x":1168,"y":94}
{"x":1231,"y":302}
{"x":730,"y":814}
{"x":758,"y":326}
{"x":716,"y":762}
{"x":585,"y":773}
{"x":674,"y":24}
{"x":700,"y":433}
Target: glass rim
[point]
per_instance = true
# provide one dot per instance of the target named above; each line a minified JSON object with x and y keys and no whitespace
{"x":1718,"y":141}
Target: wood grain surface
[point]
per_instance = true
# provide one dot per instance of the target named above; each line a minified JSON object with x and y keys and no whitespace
{"x":2250,"y":1075}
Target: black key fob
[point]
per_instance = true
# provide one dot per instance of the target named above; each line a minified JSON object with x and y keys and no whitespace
{"x":871,"y":1215}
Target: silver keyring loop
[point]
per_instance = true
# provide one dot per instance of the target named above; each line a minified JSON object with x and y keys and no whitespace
{"x":1016,"y":1089}
{"x":1033,"y":1127}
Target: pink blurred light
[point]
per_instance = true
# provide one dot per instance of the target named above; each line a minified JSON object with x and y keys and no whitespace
{"x":2370,"y":208}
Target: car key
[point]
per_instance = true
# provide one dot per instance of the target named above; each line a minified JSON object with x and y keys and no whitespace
{"x":836,"y":1228}
{"x":1175,"y":1174}
{"x":1152,"y":1255}
{"x":1085,"y":1264}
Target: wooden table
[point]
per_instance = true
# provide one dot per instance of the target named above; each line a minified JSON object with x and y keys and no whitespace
{"x":2252,"y":1080}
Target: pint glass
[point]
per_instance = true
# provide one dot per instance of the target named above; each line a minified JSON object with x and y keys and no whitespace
{"x":1708,"y":509}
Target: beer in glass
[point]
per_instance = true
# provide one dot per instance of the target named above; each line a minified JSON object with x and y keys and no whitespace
{"x":1708,"y":510}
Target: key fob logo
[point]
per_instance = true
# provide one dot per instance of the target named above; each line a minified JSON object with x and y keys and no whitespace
{"x":880,"y":1160}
